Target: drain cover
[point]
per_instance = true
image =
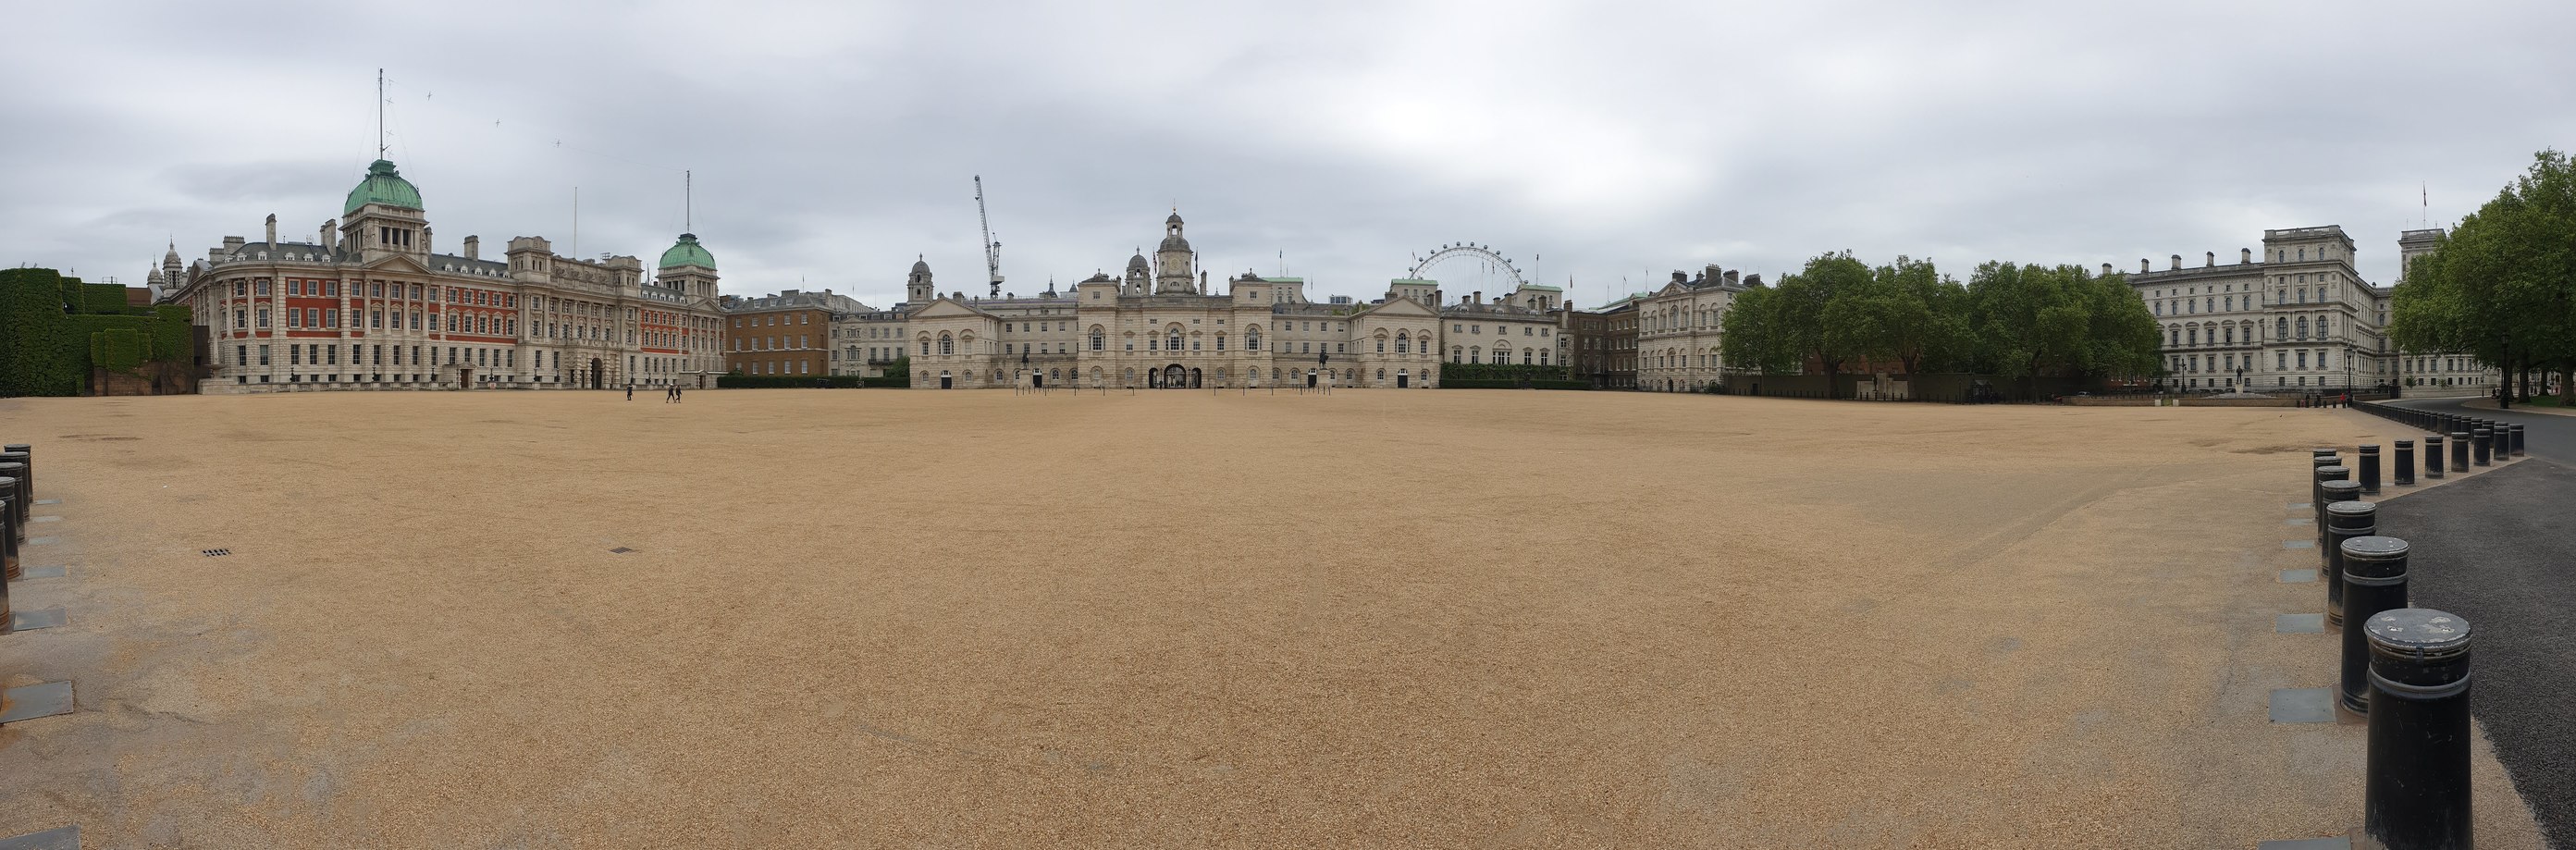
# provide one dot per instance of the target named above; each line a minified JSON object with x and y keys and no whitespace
{"x":216,"y":553}
{"x":621,"y":550}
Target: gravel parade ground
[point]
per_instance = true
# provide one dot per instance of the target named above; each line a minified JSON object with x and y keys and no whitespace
{"x":1378,"y":618}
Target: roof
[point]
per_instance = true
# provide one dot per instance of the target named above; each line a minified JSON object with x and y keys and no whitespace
{"x":795,"y":300}
{"x":383,"y":185}
{"x":687,"y":252}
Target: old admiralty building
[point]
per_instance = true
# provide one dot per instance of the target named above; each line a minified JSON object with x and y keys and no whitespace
{"x":370,"y":303}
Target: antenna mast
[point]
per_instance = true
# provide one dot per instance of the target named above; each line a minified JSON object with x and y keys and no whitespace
{"x":380,"y":113}
{"x":992,"y":249}
{"x":688,"y":201}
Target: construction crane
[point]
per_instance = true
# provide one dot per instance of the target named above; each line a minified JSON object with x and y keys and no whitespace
{"x":992,"y":249}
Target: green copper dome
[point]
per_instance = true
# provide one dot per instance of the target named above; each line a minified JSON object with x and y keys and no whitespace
{"x":383,"y":186}
{"x":687,"y":252}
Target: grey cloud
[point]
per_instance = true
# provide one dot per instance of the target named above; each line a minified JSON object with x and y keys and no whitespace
{"x":834,"y":144}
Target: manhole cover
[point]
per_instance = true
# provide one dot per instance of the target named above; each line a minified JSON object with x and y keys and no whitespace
{"x":621,"y":550}
{"x":216,"y":553}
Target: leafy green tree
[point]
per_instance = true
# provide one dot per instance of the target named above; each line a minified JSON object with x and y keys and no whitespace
{"x":1906,"y":311}
{"x":1752,"y":335}
{"x":2502,"y":285}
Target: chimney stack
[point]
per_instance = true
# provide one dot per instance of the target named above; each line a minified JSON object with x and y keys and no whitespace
{"x":323,"y":239}
{"x":2244,"y":255}
{"x":2177,"y":262}
{"x":474,"y":247}
{"x":2143,"y":268}
{"x":2106,"y":269}
{"x":2211,"y":260}
{"x":1731,"y":277}
{"x":272,"y":231}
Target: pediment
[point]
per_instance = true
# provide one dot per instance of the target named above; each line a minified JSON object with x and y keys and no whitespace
{"x":1400,"y":306}
{"x":398,"y":264}
{"x":948,"y":308}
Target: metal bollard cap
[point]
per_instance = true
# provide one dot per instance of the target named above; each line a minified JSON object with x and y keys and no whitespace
{"x":2459,"y":435}
{"x":2406,"y":444}
{"x":18,"y":447}
{"x":2334,"y":473}
{"x":2370,"y":450}
{"x":2373,"y":549}
{"x":2340,"y":490}
{"x":2321,"y":452}
{"x":2418,"y":633}
{"x":2351,"y":512}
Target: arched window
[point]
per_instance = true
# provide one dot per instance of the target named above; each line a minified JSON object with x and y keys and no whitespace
{"x":1381,"y":374}
{"x":925,"y":345}
{"x":1252,"y":338}
{"x":1098,"y":339}
{"x":1542,"y":357}
{"x":1220,"y":346}
{"x":947,"y":344}
{"x":2321,"y":326}
{"x":1381,"y":345}
{"x":1455,"y":353}
{"x":1476,"y":354}
{"x":1403,"y":345}
{"x":1525,"y":356}
{"x":1174,"y":335}
{"x":2281,"y":328}
{"x":2303,"y":327}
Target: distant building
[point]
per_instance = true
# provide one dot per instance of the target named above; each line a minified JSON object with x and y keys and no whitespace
{"x":789,"y":333}
{"x":369,"y":304}
{"x":2296,"y":316}
{"x":1160,"y":324}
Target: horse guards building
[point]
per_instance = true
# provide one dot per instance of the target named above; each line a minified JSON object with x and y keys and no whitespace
{"x":369,"y":304}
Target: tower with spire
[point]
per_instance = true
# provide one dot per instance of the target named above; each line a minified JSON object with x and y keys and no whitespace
{"x":917,"y":287}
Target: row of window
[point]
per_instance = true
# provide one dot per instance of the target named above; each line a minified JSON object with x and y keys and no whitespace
{"x":2179,"y":336}
{"x":768,"y":343}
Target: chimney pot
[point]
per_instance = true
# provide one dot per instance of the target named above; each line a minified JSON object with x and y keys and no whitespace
{"x":2177,"y":262}
{"x":2244,"y":255}
{"x":473,"y":247}
{"x":2106,"y":269}
{"x":2143,"y":268}
{"x":2211,"y":260}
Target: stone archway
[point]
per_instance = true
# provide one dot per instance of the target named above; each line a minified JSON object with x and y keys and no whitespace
{"x":598,"y":374}
{"x":1175,"y":377}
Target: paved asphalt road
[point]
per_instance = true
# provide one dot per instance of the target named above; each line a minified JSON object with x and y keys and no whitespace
{"x":2500,"y":550}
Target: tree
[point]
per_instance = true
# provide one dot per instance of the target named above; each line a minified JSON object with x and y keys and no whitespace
{"x":1906,"y":311}
{"x":2498,"y":286}
{"x":2027,"y":318}
{"x":1804,"y":300}
{"x":1752,"y":335}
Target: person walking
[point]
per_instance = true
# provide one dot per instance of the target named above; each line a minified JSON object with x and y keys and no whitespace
{"x":630,"y":392}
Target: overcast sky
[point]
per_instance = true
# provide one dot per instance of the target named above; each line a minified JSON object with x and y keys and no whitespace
{"x":1590,"y":141}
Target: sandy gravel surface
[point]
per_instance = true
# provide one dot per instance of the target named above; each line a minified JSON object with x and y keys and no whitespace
{"x":1375,"y":619}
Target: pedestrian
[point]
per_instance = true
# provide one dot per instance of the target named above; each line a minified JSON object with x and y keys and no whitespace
{"x":630,"y":392}
{"x":675,"y":394}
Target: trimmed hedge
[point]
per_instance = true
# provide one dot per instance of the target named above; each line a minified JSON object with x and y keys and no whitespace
{"x":895,"y":382}
{"x":55,"y":329}
{"x":39,"y":354}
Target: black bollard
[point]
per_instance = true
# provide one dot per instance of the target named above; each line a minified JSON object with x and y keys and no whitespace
{"x":29,"y":460}
{"x":2415,"y":793}
{"x":9,"y":566}
{"x":2370,"y":470}
{"x":2481,"y":441}
{"x":2459,"y":451}
{"x":2345,"y":520}
{"x":2517,"y":441}
{"x":2337,"y":491}
{"x":2405,"y":465}
{"x":2433,"y":456}
{"x":2327,"y":474}
{"x":2374,"y":582}
{"x":18,"y":493}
